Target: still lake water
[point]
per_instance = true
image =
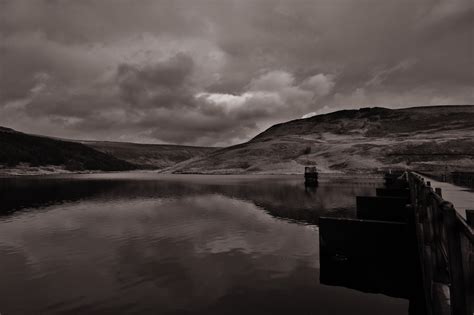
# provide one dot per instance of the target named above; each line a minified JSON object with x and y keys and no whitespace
{"x":173,"y":244}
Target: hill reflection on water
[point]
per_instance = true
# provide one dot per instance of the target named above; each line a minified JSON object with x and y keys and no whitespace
{"x":281,"y":196}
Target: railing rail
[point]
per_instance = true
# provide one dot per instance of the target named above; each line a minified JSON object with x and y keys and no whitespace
{"x":447,"y":247}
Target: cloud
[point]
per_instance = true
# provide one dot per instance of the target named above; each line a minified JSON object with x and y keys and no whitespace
{"x":321,"y":84}
{"x":163,"y":84}
{"x":271,"y":96}
{"x":272,"y":81}
{"x":218,"y":73}
{"x":382,"y":74}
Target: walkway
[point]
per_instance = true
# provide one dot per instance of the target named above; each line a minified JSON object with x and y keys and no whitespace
{"x":461,"y":197}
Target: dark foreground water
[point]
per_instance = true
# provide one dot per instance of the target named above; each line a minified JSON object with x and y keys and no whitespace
{"x":155,"y":244}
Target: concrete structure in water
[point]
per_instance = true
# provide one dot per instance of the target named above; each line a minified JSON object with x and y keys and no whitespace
{"x":406,"y":242}
{"x":310,"y":176}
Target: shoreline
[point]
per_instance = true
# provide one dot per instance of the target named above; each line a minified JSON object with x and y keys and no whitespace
{"x":49,"y":171}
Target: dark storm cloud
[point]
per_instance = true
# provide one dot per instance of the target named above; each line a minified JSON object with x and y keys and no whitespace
{"x":218,"y":72}
{"x":89,"y":21}
{"x":161,"y":85}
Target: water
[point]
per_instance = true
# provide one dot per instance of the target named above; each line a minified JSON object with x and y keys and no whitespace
{"x":155,"y":244}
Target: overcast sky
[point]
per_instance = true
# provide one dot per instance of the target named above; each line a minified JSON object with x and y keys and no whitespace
{"x":219,"y":72}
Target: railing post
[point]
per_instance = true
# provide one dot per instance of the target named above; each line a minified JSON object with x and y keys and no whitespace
{"x":434,"y":226}
{"x":457,"y":286}
{"x":470,"y":217}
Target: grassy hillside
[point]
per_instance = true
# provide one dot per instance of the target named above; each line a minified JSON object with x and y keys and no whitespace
{"x":23,"y":150}
{"x":423,"y":138}
{"x":149,"y":156}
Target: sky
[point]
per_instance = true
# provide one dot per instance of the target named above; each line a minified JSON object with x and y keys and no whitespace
{"x":216,"y":73}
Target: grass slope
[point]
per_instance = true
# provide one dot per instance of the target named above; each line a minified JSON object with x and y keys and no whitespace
{"x":19,"y":149}
{"x":423,"y":138}
{"x":149,"y":156}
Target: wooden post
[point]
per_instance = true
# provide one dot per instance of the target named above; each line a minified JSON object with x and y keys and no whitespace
{"x":457,"y":288}
{"x":470,"y":217}
{"x":438,"y":192}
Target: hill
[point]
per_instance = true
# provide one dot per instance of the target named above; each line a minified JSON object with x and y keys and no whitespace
{"x":422,"y":138}
{"x":25,"y":153}
{"x":149,"y":156}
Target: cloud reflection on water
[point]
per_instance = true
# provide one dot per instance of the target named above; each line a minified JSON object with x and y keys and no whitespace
{"x":137,"y":247}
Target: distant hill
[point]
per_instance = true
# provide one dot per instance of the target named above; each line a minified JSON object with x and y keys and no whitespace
{"x":149,"y":156}
{"x":30,"y":151}
{"x":23,"y":153}
{"x":422,"y":138}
